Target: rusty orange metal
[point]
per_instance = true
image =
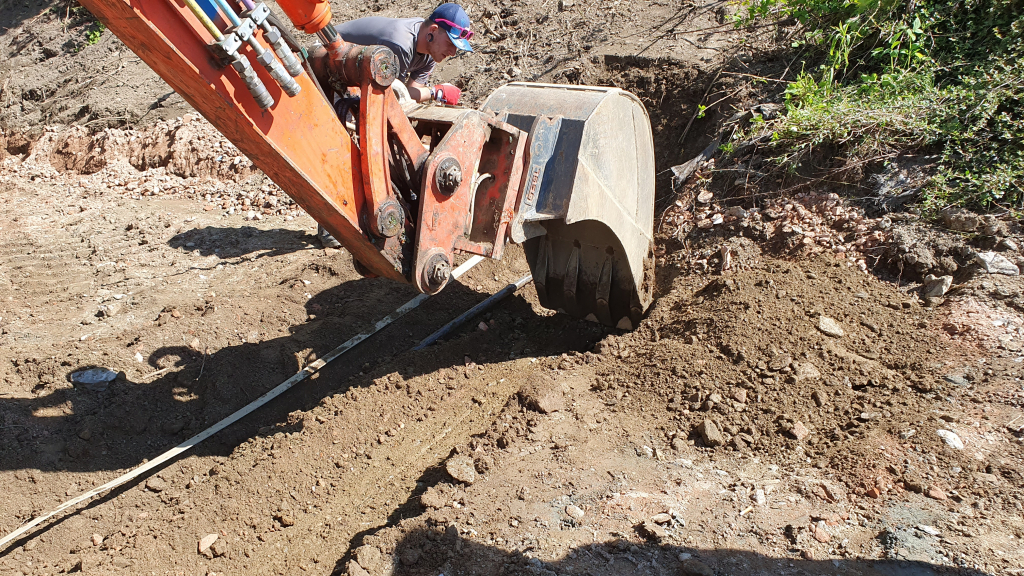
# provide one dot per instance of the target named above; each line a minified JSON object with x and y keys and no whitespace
{"x":299,"y":142}
{"x":310,"y":16}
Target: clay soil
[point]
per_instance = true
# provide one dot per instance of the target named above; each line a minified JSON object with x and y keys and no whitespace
{"x":735,"y":431}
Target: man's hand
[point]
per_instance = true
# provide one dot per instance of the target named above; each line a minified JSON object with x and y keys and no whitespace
{"x":447,"y":94}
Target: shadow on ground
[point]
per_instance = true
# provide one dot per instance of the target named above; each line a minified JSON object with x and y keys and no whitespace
{"x":429,"y":551}
{"x":115,"y":425}
{"x":229,"y":242}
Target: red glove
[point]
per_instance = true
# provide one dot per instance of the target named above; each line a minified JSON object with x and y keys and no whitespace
{"x":446,"y":94}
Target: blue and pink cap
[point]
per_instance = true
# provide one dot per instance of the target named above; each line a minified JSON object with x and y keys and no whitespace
{"x":454,"y":20}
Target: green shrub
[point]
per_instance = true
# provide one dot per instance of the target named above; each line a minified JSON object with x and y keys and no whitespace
{"x":943,"y":76}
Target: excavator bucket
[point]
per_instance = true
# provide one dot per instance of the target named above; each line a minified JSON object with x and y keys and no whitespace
{"x":586,"y":213}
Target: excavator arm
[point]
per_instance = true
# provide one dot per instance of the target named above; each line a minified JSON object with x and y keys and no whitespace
{"x":405,"y":192}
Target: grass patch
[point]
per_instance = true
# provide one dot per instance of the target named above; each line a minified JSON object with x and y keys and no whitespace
{"x":890,"y":77}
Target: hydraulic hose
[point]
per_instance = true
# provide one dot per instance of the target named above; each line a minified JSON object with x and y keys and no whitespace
{"x":246,"y":31}
{"x":238,"y":61}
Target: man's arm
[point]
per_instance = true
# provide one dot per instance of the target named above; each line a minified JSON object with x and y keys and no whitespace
{"x":418,"y":92}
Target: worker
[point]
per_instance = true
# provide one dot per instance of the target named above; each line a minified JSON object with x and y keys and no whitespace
{"x":418,"y":44}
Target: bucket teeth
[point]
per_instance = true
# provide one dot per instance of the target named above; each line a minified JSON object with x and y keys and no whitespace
{"x":604,"y":292}
{"x":581,"y":270}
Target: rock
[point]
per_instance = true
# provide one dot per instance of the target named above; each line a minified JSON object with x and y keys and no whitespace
{"x":951,"y":439}
{"x":820,"y":533}
{"x":460,"y":468}
{"x":652,"y":531}
{"x":354,"y":569}
{"x":873,"y":492}
{"x":156,"y":484}
{"x":820,"y":398}
{"x":799,"y":431}
{"x":710,"y":433}
{"x":97,"y":539}
{"x":542,"y":394}
{"x":219,"y":548}
{"x":759,"y":498}
{"x":936,"y":287}
{"x":935,"y":493}
{"x":779,"y":362}
{"x":830,"y":327}
{"x":957,"y":380}
{"x":807,"y":371}
{"x":929,"y":530}
{"x":996,"y":264}
{"x":913,"y":485}
{"x":691,"y":567}
{"x":663,"y":518}
{"x":120,"y":563}
{"x":285,"y":520}
{"x":368,"y":556}
{"x":740,"y":395}
{"x":433,"y":498}
{"x":93,"y":376}
{"x":110,"y":309}
{"x":205,"y":543}
{"x":961,"y":220}
{"x":409,"y":556}
{"x":574,"y":512}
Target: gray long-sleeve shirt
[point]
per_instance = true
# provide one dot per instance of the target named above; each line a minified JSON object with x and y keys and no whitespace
{"x":398,"y":34}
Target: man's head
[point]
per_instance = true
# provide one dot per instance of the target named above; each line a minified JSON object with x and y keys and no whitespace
{"x":446,"y":31}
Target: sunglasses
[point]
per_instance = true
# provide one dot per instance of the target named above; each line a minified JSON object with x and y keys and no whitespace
{"x":463,"y":32}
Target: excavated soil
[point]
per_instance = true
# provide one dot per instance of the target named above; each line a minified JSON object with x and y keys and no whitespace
{"x":792,"y":404}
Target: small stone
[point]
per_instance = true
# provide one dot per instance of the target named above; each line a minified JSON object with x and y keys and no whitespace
{"x":691,"y":567}
{"x":951,"y":439}
{"x":819,"y":397}
{"x":779,"y":362}
{"x":936,"y":287}
{"x":740,"y":395}
{"x":97,"y":539}
{"x":409,"y":556}
{"x":219,"y":548}
{"x":956,"y":380}
{"x":120,"y":563}
{"x":368,"y":556}
{"x":652,"y":531}
{"x":460,"y":468}
{"x":929,"y":530}
{"x":205,"y":543}
{"x":710,"y":433}
{"x":873,"y":492}
{"x":542,"y":394}
{"x":433,"y":498}
{"x":799,"y":431}
{"x":935,"y":493}
{"x":759,"y":497}
{"x":820,"y":534}
{"x":806,"y":371}
{"x":574,"y":512}
{"x":354,"y":569}
{"x":830,"y":327}
{"x":996,"y":264}
{"x":285,"y":520}
{"x":156,"y":484}
{"x":663,"y":518}
{"x":914,"y":485}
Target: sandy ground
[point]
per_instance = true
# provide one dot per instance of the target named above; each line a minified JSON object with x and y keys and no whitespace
{"x":778,"y":412}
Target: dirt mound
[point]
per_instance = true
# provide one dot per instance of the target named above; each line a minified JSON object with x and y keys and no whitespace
{"x":185,"y":147}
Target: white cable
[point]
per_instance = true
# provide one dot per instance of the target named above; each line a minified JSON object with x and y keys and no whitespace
{"x":242,"y":412}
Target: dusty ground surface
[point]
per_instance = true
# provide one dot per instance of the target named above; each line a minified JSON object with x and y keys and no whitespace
{"x":736,"y":431}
